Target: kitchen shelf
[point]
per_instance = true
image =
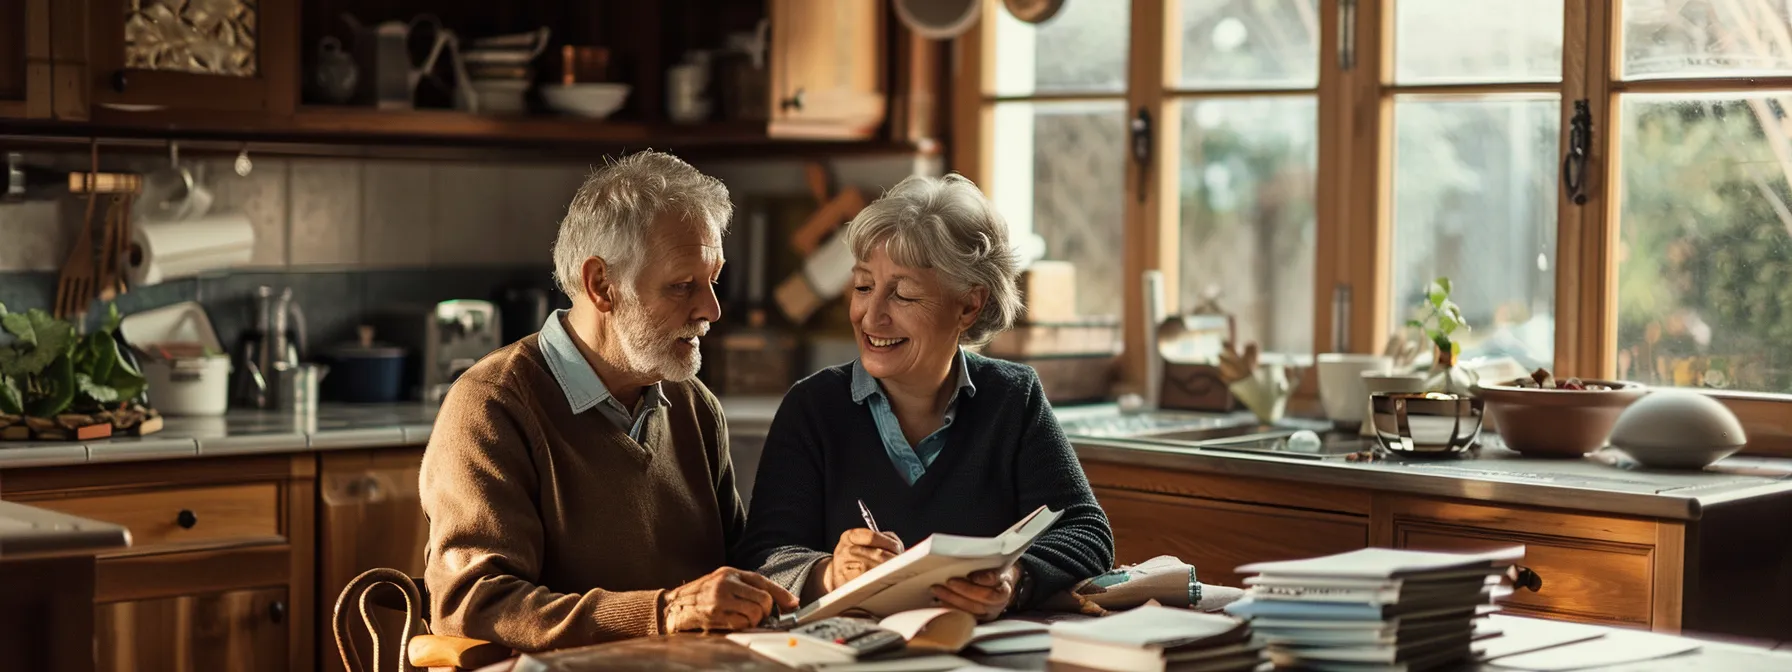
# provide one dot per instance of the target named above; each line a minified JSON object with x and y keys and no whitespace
{"x":435,"y":134}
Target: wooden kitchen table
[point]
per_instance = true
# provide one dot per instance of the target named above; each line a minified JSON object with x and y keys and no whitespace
{"x":700,"y":652}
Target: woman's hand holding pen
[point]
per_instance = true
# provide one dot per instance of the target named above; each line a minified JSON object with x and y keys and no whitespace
{"x":859,"y":550}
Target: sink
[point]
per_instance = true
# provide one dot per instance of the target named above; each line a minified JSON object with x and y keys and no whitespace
{"x":1254,"y":431}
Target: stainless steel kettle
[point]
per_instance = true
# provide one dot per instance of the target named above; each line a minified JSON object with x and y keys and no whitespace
{"x":276,"y":342}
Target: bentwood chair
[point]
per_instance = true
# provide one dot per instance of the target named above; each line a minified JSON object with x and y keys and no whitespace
{"x":415,"y":647}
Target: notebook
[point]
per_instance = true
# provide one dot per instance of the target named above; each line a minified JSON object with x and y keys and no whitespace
{"x":1383,"y":563}
{"x":1156,"y":638}
{"x":903,"y":583}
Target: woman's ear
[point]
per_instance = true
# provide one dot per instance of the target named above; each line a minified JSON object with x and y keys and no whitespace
{"x":971,"y":307}
{"x":596,"y":275}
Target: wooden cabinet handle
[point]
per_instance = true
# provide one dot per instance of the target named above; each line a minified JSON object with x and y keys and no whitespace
{"x":1525,"y":577}
{"x":186,"y":519}
{"x":277,"y":612}
{"x":119,"y":81}
{"x":794,"y":102}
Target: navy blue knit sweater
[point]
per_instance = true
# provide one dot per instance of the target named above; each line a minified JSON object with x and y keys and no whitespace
{"x":1005,"y":456}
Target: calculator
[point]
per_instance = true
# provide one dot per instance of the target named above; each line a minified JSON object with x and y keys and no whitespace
{"x":863,"y":636}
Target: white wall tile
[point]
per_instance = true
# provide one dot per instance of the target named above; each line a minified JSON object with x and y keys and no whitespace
{"x":467,"y":207}
{"x":324,"y":200}
{"x":873,"y":174}
{"x":261,"y":197}
{"x":535,"y":199}
{"x":32,"y":236}
{"x":395,"y":214}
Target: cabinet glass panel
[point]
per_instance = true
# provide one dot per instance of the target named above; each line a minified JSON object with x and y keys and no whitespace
{"x":204,"y":37}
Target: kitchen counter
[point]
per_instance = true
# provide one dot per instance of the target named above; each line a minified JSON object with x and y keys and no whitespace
{"x":1604,"y":482}
{"x":331,"y":427}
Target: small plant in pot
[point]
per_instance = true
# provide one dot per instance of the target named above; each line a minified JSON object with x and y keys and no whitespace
{"x":1441,"y":321}
{"x":58,"y":383}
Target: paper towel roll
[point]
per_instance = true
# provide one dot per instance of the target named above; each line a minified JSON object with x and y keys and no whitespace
{"x":162,"y":251}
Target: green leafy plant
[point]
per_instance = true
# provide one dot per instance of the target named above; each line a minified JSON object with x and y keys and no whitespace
{"x":49,"y":368}
{"x":1443,"y":317}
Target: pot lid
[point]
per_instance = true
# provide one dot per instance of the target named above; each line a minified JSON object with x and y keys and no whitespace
{"x":366,"y":348}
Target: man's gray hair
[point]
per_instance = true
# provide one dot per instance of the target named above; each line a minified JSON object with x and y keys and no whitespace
{"x":610,"y":215}
{"x":946,"y":224}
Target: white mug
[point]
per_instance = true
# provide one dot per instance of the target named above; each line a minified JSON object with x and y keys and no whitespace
{"x":1341,"y":389}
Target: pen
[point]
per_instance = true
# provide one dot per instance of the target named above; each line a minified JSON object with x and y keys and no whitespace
{"x":865,"y":512}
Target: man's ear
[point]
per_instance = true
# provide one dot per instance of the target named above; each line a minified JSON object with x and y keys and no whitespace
{"x":598,"y":288}
{"x":973,"y":306}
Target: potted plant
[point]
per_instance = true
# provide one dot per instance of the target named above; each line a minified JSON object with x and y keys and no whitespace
{"x":1441,"y":321}
{"x":57,"y":383}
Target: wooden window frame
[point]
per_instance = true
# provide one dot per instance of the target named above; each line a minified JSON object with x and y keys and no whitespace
{"x":1353,"y":188}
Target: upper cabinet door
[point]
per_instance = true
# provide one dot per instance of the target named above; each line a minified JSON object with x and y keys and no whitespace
{"x":24,"y":59}
{"x":226,"y":55}
{"x":827,"y":68}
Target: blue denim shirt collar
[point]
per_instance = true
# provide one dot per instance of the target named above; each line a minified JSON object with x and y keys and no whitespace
{"x":863,"y":385}
{"x":584,"y":390}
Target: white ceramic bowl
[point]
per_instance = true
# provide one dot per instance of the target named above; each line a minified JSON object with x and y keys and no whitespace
{"x":596,"y":101}
{"x":1678,"y":429}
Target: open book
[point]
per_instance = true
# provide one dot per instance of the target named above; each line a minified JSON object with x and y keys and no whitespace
{"x":903,"y":583}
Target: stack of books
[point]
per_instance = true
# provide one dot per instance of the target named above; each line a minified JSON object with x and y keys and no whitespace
{"x":1158,"y":639}
{"x":1373,"y":610}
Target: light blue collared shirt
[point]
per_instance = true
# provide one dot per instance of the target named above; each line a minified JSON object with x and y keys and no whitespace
{"x":584,"y":390}
{"x":910,"y":462}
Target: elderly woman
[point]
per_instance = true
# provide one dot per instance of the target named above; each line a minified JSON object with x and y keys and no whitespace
{"x":930,"y":438}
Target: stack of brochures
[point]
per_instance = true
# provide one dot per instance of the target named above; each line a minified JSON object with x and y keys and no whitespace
{"x":1373,"y":610}
{"x":1157,"y":639}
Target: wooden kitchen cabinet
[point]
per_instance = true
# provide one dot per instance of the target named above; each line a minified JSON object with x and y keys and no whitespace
{"x":220,"y":573}
{"x":234,"y":630}
{"x":1217,"y":536}
{"x":43,"y":59}
{"x":827,"y":72}
{"x":369,"y":515}
{"x":223,"y":55}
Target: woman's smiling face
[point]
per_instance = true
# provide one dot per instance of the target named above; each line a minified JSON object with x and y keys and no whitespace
{"x":907,"y":320}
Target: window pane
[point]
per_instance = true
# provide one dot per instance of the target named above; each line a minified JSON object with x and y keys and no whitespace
{"x":1452,"y":41}
{"x":1250,"y":44}
{"x":1705,"y":241}
{"x":1247,"y":214}
{"x":1060,"y":173}
{"x":1706,"y":38}
{"x":1083,"y":48}
{"x":1475,"y":200}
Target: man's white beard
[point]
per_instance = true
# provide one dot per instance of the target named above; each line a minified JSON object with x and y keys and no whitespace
{"x":645,"y":350}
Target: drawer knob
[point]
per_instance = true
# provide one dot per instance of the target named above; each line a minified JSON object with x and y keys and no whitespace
{"x":1524,"y":577}
{"x":277,"y":612}
{"x":119,"y":81}
{"x":186,"y":519}
{"x":794,"y":102}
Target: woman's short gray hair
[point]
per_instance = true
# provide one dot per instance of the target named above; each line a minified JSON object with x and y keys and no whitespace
{"x":610,"y":215}
{"x":946,"y":224}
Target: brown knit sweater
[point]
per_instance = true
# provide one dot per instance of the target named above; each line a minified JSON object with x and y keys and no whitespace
{"x":549,"y":529}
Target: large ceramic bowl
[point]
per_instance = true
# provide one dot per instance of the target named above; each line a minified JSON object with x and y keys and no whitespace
{"x":1557,"y":423}
{"x":1425,"y":423}
{"x":595,"y":101}
{"x":1678,"y":429}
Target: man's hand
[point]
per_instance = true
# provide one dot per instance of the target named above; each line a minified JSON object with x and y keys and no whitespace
{"x":985,"y":594}
{"x":859,"y":550}
{"x":725,"y":599}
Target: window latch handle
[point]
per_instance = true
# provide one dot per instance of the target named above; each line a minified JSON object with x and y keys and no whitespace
{"x":1141,"y":148}
{"x":1574,"y":163}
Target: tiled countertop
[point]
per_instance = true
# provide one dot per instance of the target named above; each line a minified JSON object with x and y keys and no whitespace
{"x":332,"y":426}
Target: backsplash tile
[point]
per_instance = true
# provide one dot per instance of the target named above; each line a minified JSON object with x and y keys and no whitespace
{"x":324,"y":213}
{"x":535,"y":201}
{"x":32,"y":235}
{"x":262,"y":198}
{"x":468,"y":207}
{"x":395,"y":214}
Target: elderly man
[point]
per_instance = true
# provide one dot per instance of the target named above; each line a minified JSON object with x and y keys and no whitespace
{"x":578,"y":483}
